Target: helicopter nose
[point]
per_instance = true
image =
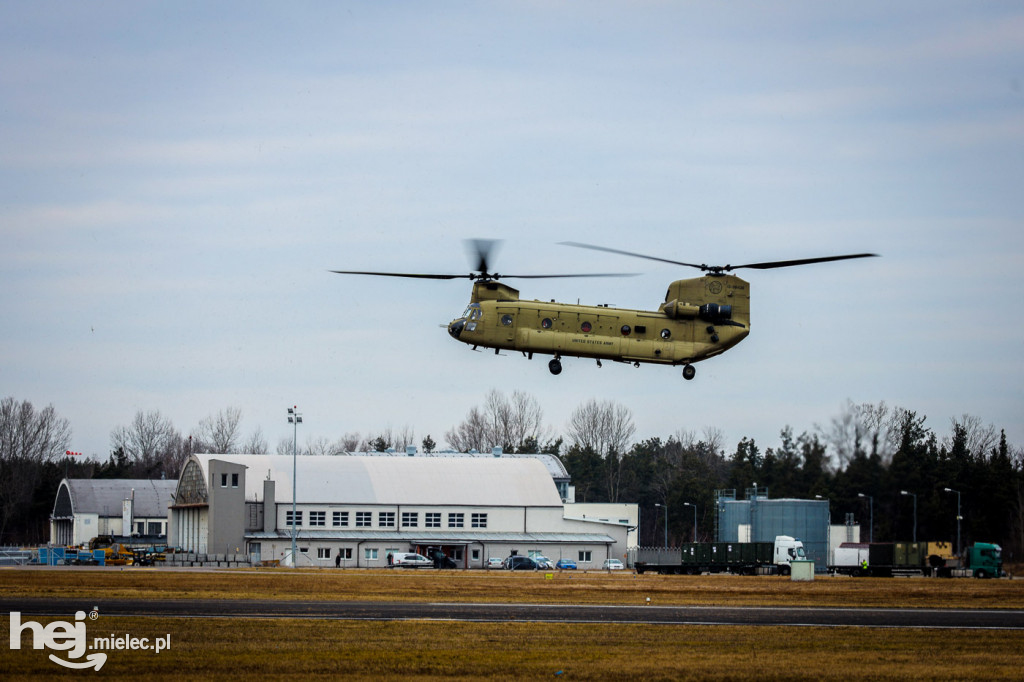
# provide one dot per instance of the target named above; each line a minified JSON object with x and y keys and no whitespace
{"x":456,"y":327}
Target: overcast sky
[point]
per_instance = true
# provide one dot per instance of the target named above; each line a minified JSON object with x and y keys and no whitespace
{"x":177,"y":179}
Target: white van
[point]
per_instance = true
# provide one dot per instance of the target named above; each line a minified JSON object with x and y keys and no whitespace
{"x":408,"y":560}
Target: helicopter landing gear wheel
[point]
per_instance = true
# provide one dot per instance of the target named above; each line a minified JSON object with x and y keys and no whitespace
{"x":689,"y":371}
{"x":555,"y":366}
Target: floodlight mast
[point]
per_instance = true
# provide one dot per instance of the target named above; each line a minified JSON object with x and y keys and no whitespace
{"x":914,"y":495}
{"x":690,"y":504}
{"x":656,"y":504}
{"x":295,"y":419}
{"x":958,"y":517}
{"x":871,"y":516}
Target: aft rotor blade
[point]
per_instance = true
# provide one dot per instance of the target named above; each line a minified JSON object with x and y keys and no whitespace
{"x":726,"y":268}
{"x":402,"y":274}
{"x":802,"y":261}
{"x":630,"y":253}
{"x":590,"y":274}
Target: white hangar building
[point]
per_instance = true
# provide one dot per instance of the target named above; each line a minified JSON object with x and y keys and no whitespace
{"x":354,"y":510}
{"x":124,"y":508}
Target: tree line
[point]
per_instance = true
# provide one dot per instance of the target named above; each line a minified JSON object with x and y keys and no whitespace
{"x":871,"y":460}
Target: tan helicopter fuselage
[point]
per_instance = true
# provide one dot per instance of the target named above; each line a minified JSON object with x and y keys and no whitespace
{"x":700,"y":318}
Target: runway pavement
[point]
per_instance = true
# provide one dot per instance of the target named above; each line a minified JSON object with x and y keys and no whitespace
{"x":540,"y":613}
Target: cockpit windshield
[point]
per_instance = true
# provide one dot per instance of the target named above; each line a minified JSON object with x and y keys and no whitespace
{"x":473,"y":312}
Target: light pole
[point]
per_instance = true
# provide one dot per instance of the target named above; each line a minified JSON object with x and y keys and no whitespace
{"x":914,"y":495}
{"x":753,"y":514}
{"x":666,"y":521}
{"x":871,"y":516}
{"x":295,"y":419}
{"x":958,"y":517}
{"x":687,"y":504}
{"x":828,"y":528}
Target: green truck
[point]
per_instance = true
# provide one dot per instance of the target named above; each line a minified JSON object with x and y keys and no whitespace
{"x":982,"y":559}
{"x":887,"y":559}
{"x":748,"y":558}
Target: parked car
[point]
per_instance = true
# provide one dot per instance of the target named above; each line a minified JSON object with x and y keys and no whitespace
{"x":495,"y":562}
{"x":440,"y":559}
{"x":520,"y":563}
{"x":408,"y":560}
{"x":612,"y":565}
{"x":566,"y":564}
{"x":543,"y":562}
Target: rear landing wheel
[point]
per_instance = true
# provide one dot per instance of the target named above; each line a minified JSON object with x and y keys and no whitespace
{"x":689,"y":371}
{"x":555,"y":366}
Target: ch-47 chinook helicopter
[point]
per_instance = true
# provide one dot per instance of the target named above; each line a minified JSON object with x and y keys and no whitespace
{"x":701,"y":317}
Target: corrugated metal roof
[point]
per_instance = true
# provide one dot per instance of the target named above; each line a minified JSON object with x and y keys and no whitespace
{"x":551,"y":462}
{"x":352,"y":479}
{"x":104,"y":496}
{"x":422,"y":538}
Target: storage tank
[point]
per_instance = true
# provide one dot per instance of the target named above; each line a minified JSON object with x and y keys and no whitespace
{"x":761,"y":520}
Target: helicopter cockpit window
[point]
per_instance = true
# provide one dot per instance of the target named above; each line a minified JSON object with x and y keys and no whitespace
{"x":473,"y":312}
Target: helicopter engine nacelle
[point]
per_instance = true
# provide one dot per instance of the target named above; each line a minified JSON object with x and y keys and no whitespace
{"x":713,"y":312}
{"x":678,"y":310}
{"x":713,"y":298}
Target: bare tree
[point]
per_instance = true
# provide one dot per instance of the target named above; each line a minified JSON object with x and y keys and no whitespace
{"x":471,"y":434}
{"x":27,"y":440}
{"x":601,"y":427}
{"x":285,"y":446}
{"x":34,"y":436}
{"x":147,"y":438}
{"x":524,"y":423}
{"x":382,"y":441}
{"x":862,"y":429}
{"x":175,"y":456}
{"x":604,"y":428}
{"x":352,"y":442}
{"x":323,"y":447}
{"x":514,"y":424}
{"x":256,"y":444}
{"x":404,"y":438}
{"x":980,"y":439}
{"x":219,"y":433}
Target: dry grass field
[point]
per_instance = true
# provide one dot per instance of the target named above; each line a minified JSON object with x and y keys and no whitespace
{"x":551,"y":587}
{"x":218,"y":648}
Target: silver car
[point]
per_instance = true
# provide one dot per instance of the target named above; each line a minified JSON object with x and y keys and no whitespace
{"x":543,"y":562}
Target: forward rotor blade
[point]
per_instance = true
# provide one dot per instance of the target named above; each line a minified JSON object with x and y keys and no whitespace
{"x":802,"y":261}
{"x":480,"y":251}
{"x":630,"y":253}
{"x":402,"y":274}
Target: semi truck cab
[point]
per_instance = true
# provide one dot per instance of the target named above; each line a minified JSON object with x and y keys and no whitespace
{"x":985,"y":560}
{"x":787,"y":550}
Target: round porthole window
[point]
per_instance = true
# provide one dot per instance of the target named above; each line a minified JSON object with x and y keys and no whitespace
{"x":666,"y":334}
{"x":546,"y":323}
{"x":506,"y":320}
{"x":625,"y":330}
{"x":586,"y":327}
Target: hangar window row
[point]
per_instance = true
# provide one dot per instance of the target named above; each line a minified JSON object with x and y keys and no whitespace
{"x":386,"y":519}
